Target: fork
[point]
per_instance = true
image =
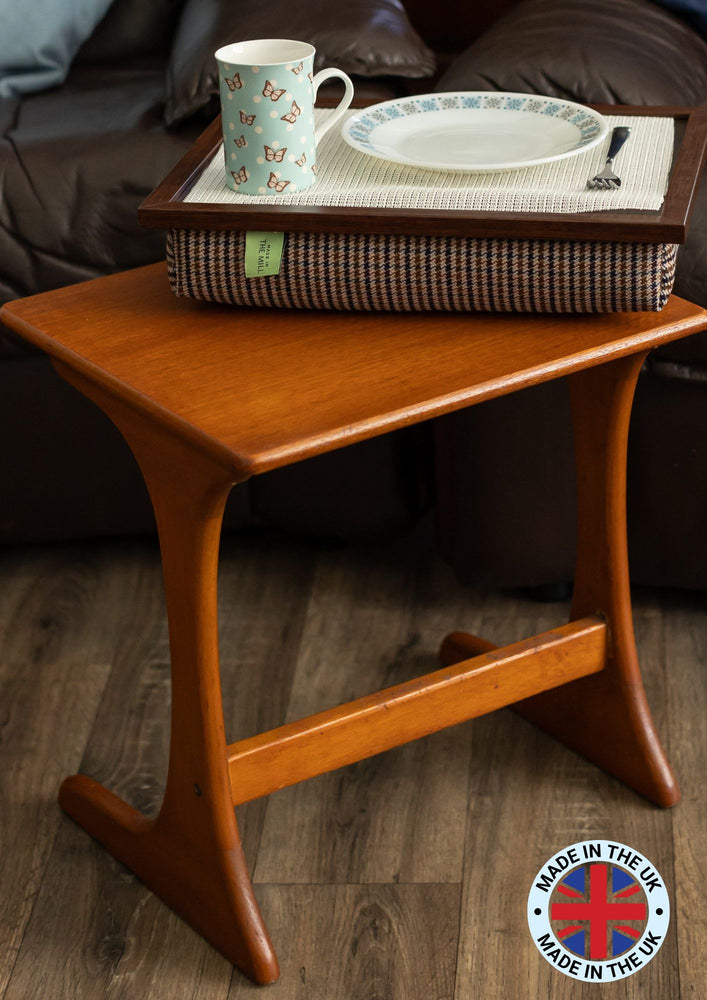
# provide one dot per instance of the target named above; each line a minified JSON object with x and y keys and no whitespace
{"x":607,"y":180}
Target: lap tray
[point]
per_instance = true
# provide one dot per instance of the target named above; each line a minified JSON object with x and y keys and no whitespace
{"x":375,"y":236}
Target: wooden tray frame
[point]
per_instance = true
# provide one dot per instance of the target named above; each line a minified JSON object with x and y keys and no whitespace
{"x":165,"y":208}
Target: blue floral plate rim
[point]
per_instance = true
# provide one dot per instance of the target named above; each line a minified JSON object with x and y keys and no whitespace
{"x":359,"y":131}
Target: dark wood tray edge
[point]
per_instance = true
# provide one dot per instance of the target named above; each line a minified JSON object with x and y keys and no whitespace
{"x":165,"y":208}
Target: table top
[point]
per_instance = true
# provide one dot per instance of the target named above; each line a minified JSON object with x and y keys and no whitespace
{"x":262,"y":388}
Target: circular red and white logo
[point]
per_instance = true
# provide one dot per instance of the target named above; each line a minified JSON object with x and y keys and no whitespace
{"x":598,"y":911}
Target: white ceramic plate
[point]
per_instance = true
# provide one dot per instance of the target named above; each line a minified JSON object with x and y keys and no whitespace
{"x":475,"y":130}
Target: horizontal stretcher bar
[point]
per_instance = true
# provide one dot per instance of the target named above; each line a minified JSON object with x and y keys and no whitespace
{"x":348,"y":733}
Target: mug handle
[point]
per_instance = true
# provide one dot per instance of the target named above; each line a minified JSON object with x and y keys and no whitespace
{"x":343,"y":105}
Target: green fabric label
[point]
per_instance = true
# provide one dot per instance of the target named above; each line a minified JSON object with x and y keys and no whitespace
{"x":263,"y":254}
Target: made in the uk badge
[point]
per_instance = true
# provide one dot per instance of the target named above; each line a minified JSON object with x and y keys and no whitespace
{"x":598,"y":911}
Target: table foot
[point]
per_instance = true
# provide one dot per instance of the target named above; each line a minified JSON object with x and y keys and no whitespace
{"x":609,"y":722}
{"x":207,"y":886}
{"x":596,"y":716}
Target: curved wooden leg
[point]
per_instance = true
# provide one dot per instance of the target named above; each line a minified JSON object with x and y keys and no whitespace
{"x":605,"y":716}
{"x":191,"y":854}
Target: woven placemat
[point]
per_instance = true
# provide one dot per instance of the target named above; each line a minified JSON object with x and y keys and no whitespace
{"x":347,"y":177}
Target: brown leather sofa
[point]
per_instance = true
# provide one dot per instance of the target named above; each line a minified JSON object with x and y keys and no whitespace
{"x":77,"y":160}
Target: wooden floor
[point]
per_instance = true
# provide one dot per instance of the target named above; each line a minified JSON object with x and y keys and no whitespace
{"x":405,"y":876}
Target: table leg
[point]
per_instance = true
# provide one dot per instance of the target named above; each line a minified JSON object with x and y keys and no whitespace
{"x":605,"y":717}
{"x":191,"y":854}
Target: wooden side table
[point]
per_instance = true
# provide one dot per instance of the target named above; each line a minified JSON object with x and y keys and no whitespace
{"x":207,"y":396}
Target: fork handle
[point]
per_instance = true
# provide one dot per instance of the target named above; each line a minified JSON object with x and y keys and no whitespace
{"x":618,"y":138}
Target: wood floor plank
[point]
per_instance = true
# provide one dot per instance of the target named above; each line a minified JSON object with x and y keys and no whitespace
{"x":361,"y":635}
{"x":46,"y":714}
{"x":264,"y":590}
{"x":49,"y":596}
{"x":90,"y":910}
{"x":96,"y":933}
{"x":360,"y":941}
{"x":128,"y":746}
{"x":686,"y":655}
{"x":48,"y":700}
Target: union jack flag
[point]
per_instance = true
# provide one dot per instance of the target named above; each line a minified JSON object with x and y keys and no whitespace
{"x":598,"y":911}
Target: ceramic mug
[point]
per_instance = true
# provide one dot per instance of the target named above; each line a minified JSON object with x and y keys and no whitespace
{"x":268,"y":90}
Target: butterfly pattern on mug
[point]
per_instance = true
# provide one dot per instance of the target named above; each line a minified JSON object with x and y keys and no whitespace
{"x":273,"y":182}
{"x":293,"y":114}
{"x":269,"y":91}
{"x":268,"y":125}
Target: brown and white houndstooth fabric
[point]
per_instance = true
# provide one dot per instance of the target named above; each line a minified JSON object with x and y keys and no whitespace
{"x":425,"y":273}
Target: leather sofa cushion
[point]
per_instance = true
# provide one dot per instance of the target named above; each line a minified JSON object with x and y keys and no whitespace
{"x":76,"y":162}
{"x":132,"y":28}
{"x":363,"y":37}
{"x":607,"y":51}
